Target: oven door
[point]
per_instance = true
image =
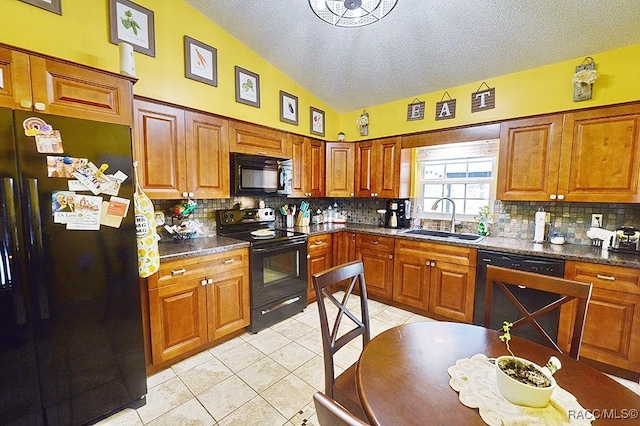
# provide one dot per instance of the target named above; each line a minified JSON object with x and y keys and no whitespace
{"x":277,"y":270}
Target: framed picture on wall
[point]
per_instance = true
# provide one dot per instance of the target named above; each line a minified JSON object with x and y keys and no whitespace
{"x":247,"y":87}
{"x":288,"y":108}
{"x":50,"y":5}
{"x":200,"y":61}
{"x":132,"y":24}
{"x":317,"y":121}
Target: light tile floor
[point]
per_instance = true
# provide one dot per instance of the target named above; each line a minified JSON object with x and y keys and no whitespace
{"x":263,"y":379}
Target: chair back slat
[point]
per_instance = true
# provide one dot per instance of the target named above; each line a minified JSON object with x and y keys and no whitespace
{"x":570,"y":291}
{"x":332,"y":341}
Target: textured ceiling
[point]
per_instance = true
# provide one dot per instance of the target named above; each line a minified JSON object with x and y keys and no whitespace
{"x":422,"y":46}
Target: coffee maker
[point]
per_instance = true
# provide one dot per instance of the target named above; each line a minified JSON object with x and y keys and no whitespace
{"x":398,"y":214}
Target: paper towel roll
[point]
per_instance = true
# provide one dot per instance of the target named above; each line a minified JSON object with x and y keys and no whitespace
{"x":127,"y":64}
{"x":540,"y":223}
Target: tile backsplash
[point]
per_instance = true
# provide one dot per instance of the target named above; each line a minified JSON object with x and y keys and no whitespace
{"x":511,"y":219}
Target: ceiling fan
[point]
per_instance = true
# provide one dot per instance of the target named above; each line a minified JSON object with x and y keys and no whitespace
{"x":351,"y":13}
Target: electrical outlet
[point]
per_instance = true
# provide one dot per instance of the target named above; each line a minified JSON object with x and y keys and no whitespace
{"x":596,"y":220}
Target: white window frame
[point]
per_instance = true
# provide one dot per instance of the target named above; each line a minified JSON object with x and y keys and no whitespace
{"x":461,"y":151}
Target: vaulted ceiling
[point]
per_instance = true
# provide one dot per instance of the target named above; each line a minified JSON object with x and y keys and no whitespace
{"x":422,"y":46}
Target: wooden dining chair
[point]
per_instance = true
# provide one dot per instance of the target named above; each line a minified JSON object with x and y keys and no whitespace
{"x":343,"y":388}
{"x":569,"y":290}
{"x":330,"y":413}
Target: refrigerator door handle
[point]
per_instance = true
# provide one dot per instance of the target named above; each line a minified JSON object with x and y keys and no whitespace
{"x":34,"y":225}
{"x":10,"y":251}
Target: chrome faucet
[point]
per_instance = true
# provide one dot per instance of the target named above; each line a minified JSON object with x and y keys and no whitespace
{"x":453,"y":211}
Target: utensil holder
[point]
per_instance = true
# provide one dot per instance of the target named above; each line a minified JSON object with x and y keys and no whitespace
{"x":289,"y":220}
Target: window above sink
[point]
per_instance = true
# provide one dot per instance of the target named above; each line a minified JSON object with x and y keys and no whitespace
{"x":465,"y":172}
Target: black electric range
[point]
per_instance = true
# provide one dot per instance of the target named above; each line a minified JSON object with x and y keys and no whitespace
{"x":277,"y":260}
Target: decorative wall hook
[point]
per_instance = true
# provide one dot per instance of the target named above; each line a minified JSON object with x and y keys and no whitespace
{"x":583,"y":79}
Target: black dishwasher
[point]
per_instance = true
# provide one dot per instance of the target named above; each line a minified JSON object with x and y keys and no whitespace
{"x":502,"y":309}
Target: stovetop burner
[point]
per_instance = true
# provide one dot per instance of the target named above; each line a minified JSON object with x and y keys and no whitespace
{"x":254,"y":225}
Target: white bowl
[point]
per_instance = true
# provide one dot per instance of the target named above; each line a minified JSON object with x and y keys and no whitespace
{"x":520,"y":393}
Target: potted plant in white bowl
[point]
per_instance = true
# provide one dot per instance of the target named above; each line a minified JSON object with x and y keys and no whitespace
{"x":521,"y":381}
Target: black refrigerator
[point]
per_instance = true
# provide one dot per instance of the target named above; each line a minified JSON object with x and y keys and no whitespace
{"x":71,"y":345}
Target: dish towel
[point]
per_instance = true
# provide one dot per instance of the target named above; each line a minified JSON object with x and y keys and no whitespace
{"x":475,"y":381}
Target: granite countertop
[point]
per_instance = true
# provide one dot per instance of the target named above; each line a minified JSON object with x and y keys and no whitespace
{"x":180,"y":249}
{"x":171,"y":250}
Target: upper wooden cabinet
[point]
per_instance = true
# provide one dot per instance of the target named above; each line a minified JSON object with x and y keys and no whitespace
{"x":257,"y":140}
{"x":340,"y":169}
{"x":37,"y":83}
{"x":529,"y":158}
{"x":586,"y":156}
{"x":377,"y":172}
{"x":308,"y":167}
{"x":180,"y":153}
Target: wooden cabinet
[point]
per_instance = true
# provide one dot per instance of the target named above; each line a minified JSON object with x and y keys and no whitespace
{"x":586,"y":156}
{"x":344,"y":247}
{"x":257,"y":140}
{"x":436,"y":278}
{"x":612,"y":329}
{"x":377,"y":168}
{"x":529,"y":158}
{"x":38,"y":83}
{"x":319,"y":258}
{"x":308,"y":167}
{"x":340,"y":169}
{"x":376,"y":254}
{"x":195,"y":301}
{"x":180,"y":153}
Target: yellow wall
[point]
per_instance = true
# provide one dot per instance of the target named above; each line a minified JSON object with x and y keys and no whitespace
{"x":535,"y":91}
{"x":81,"y":35}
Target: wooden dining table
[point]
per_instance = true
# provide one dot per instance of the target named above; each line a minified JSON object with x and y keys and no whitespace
{"x":402,"y":376}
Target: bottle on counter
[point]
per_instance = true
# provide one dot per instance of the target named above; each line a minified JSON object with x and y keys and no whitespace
{"x":393,"y":220}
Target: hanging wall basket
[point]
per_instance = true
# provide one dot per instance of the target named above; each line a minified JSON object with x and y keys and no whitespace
{"x":363,"y":123}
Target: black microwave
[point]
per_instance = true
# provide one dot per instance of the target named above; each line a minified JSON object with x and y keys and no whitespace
{"x":258,"y":175}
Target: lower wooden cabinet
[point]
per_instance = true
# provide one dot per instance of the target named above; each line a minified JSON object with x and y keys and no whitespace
{"x":319,"y":258}
{"x":195,"y":301}
{"x":376,"y":254}
{"x":437,"y":278}
{"x":612,"y":329}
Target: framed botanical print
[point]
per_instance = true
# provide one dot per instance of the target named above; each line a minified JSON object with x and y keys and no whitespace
{"x":288,"y":108}
{"x":132,"y":24}
{"x":317,"y":121}
{"x":200,"y":61}
{"x":50,"y":5}
{"x":247,"y":87}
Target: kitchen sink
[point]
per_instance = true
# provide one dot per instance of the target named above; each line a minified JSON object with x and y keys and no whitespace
{"x":446,"y":235}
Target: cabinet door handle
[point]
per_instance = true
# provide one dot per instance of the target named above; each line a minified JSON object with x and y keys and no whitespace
{"x":228,"y":261}
{"x":433,"y":264}
{"x":375,"y":243}
{"x":203,"y":283}
{"x":606,"y":277}
{"x":308,"y":256}
{"x":261,"y":153}
{"x":319,"y":243}
{"x":552,"y":196}
{"x":560,"y":197}
{"x":180,"y":271}
{"x":209,"y":280}
{"x":390,"y":256}
{"x":39,"y":106}
{"x":25,"y":103}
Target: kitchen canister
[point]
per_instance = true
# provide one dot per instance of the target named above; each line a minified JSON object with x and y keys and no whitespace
{"x":127,"y":63}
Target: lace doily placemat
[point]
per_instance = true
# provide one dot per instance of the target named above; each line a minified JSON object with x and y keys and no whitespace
{"x":475,"y":381}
